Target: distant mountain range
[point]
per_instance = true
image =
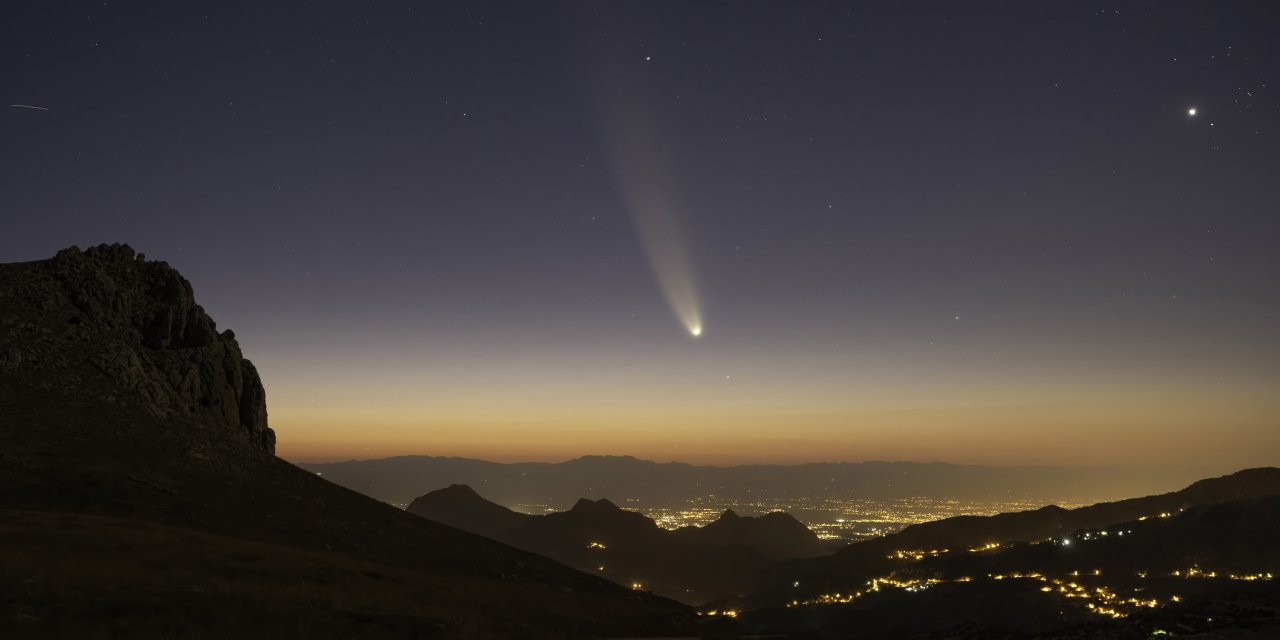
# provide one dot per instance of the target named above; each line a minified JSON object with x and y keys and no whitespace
{"x":399,"y":480}
{"x":139,"y":496}
{"x":693,"y":564}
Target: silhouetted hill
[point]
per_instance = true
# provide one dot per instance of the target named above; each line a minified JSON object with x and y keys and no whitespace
{"x":691,"y":563}
{"x":1234,"y":537}
{"x":1050,"y":521}
{"x":460,"y":506}
{"x":400,"y":479}
{"x":139,"y":496}
{"x":776,"y":536}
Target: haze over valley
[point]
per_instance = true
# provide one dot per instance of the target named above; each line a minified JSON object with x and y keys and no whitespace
{"x":841,"y":502}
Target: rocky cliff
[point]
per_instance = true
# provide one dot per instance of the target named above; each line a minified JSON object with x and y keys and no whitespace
{"x":76,"y":318}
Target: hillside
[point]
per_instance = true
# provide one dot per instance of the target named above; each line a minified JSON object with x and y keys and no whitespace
{"x":1206,"y":572}
{"x":862,"y":560}
{"x":138,"y":482}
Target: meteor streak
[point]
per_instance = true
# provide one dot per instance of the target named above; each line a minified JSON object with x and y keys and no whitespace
{"x":27,"y":106}
{"x":651,"y":197}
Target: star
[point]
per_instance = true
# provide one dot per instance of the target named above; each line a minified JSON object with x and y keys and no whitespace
{"x":1191,"y":111}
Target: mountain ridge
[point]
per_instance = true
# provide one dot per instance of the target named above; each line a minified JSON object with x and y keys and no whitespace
{"x":689,"y":563}
{"x":401,"y":479}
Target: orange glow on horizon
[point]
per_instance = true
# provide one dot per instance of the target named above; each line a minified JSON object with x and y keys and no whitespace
{"x":1049,"y":433}
{"x":549,"y":405}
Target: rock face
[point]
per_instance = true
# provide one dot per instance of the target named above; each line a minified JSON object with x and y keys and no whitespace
{"x":137,"y":323}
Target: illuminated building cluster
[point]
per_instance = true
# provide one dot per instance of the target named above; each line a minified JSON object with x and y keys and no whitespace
{"x":921,"y":554}
{"x":727,"y":613}
{"x":1091,"y":535}
{"x":990,"y":546}
{"x":833,"y":517}
{"x":1163,"y":514}
{"x":1197,"y":572}
{"x":1250,"y":577}
{"x":1085,"y":586}
{"x":873,"y":585}
{"x":916,"y":554}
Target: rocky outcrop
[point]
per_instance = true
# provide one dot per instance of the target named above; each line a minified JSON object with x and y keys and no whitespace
{"x":136,"y":322}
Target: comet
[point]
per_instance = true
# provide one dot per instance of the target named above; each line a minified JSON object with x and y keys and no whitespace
{"x":651,"y":196}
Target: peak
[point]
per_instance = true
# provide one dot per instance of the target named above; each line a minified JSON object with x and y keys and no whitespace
{"x":603,"y":504}
{"x":108,"y":312}
{"x":1241,"y":484}
{"x":457,"y":490}
{"x":596,"y":459}
{"x":104,"y":253}
{"x":113,"y":285}
{"x":771,"y":519}
{"x":778,"y":516}
{"x":1256,"y":474}
{"x":454,"y":494}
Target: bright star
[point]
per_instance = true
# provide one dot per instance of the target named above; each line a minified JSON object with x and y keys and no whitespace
{"x":1191,"y":111}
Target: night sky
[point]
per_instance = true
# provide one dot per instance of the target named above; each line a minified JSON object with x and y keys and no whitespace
{"x":969,"y":232}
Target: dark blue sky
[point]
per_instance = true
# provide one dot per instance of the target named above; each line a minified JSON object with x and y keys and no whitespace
{"x":969,"y":214}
